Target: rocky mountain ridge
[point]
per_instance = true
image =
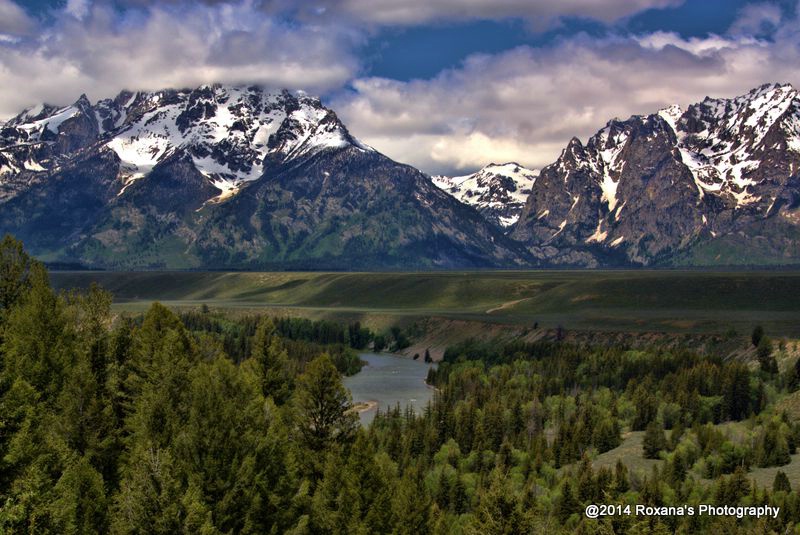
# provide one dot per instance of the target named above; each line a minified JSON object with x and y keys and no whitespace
{"x":225,"y":177}
{"x":228,"y":177}
{"x":714,"y":184}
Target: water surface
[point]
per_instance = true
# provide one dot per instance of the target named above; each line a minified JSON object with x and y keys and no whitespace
{"x":388,"y":380}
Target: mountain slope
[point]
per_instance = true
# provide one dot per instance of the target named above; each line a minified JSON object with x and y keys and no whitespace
{"x":672,"y":186}
{"x":498,"y":192}
{"x":225,"y":178}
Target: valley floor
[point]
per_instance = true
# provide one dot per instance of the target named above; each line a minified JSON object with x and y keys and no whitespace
{"x":450,"y":306}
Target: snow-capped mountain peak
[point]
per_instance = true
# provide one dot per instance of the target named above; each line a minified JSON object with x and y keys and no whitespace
{"x":498,"y":191}
{"x":650,"y":185}
{"x":724,"y":141}
{"x":230,"y":133}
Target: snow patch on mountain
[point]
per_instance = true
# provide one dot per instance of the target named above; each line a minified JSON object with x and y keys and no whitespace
{"x":723,"y":141}
{"x":499,"y":191}
{"x":671,"y":114}
{"x":228,"y":132}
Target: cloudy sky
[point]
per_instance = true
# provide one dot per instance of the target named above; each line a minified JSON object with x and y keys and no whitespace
{"x":446,"y":85}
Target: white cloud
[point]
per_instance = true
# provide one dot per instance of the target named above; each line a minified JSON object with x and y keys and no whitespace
{"x":755,"y":19}
{"x":525,"y":104}
{"x":522,"y":104}
{"x":99,"y":50}
{"x":78,"y":8}
{"x":13,"y":19}
{"x":538,"y":12}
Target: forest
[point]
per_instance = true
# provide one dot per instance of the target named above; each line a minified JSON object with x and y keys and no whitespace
{"x":201,"y":422}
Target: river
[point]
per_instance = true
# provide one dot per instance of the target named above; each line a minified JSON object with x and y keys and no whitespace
{"x":387,"y":380}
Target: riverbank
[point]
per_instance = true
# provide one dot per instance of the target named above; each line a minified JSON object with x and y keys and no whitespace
{"x":364,"y":406}
{"x":388,"y":381}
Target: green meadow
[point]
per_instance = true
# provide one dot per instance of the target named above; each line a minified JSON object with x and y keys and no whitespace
{"x":635,"y":301}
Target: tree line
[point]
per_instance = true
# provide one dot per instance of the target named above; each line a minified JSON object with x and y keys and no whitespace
{"x":203,"y":423}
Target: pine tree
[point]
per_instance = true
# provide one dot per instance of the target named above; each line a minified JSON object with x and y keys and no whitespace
{"x":410,"y":504}
{"x":272,"y":361}
{"x":794,"y":378}
{"x":459,"y":501}
{"x":80,"y":504}
{"x":772,"y":446}
{"x":781,"y":483}
{"x":39,"y":343}
{"x":566,"y":504}
{"x":676,"y":469}
{"x":646,"y":407}
{"x":621,"y":481}
{"x":736,"y":394}
{"x":655,"y":441}
{"x":498,"y":511}
{"x":766,"y":361}
{"x":323,"y":406}
{"x":652,"y":492}
{"x":758,"y":334}
{"x":606,"y":435}
{"x":16,"y":269}
{"x":735,"y":488}
{"x":587,"y":485}
{"x":150,"y":497}
{"x":219,"y":432}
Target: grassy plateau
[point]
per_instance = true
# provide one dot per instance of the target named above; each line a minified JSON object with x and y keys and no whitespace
{"x":622,"y":301}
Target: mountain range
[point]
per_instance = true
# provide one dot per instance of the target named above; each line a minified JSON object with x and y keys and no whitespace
{"x":715,"y":184}
{"x":228,"y":177}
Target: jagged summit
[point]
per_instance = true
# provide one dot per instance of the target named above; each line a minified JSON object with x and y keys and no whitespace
{"x":229,"y":132}
{"x":650,"y":187}
{"x":239,"y":177}
{"x":225,"y":177}
{"x":725,"y":141}
{"x":498,"y":191}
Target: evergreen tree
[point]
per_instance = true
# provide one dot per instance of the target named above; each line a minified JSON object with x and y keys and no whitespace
{"x":621,"y":482}
{"x":272,"y":361}
{"x":498,"y":511}
{"x":646,"y":407}
{"x":655,"y":441}
{"x":80,"y":504}
{"x":794,"y":378}
{"x":150,"y":497}
{"x":587,"y":485}
{"x":736,"y":394}
{"x":606,"y":435}
{"x":772,"y":446}
{"x":676,"y":469}
{"x":39,"y":343}
{"x":566,"y":504}
{"x":731,"y":490}
{"x":410,"y":504}
{"x":16,"y":270}
{"x":324,"y":414}
{"x":781,"y":482}
{"x":766,"y":361}
{"x":757,"y":335}
{"x":459,"y":501}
